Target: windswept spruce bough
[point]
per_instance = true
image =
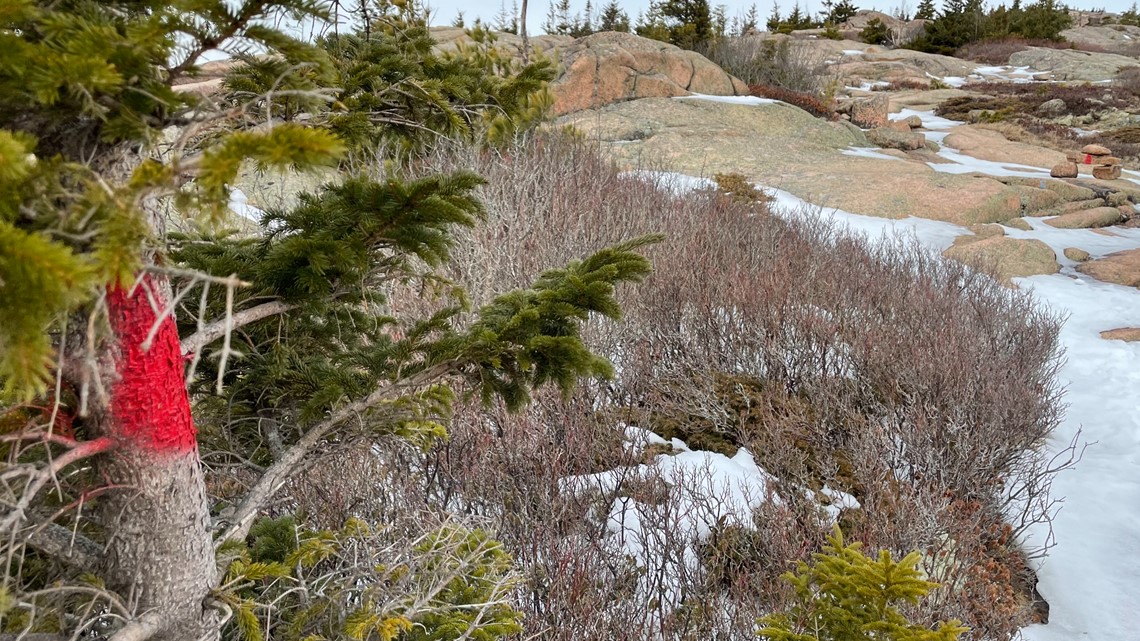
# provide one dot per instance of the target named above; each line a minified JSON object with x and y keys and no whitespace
{"x":314,"y":429}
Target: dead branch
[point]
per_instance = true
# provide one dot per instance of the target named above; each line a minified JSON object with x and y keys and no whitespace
{"x":280,"y":472}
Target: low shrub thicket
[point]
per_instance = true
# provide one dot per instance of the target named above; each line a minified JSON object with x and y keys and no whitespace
{"x":996,"y":51}
{"x":810,"y":103}
{"x":781,"y":62}
{"x":1026,"y":98}
{"x":921,"y":388}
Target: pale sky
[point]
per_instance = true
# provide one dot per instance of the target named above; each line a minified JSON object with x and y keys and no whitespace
{"x":445,"y":10}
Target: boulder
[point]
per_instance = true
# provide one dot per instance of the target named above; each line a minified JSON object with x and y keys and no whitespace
{"x":1076,"y":255}
{"x":988,"y":144}
{"x":1108,"y":160}
{"x":1064,"y":170}
{"x":1099,"y":217}
{"x":923,"y":99}
{"x":895,"y":139}
{"x":870,"y":112}
{"x":1114,"y":38}
{"x":1096,"y":150}
{"x":610,"y":67}
{"x":1069,"y":207}
{"x":781,"y":145}
{"x":1074,"y":156}
{"x":1122,"y":268}
{"x":1066,"y":190}
{"x":898,"y":125}
{"x":914,"y":122}
{"x":1053,"y":108}
{"x":1005,"y":257}
{"x":1071,"y":65}
{"x":1120,"y":199}
{"x":1106,"y":172}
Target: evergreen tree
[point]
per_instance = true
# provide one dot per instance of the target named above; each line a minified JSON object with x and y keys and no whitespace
{"x":583,"y":23}
{"x":1043,"y":19}
{"x":507,"y":20}
{"x":843,"y":594}
{"x":91,"y":330}
{"x":749,"y":22}
{"x":690,"y":22}
{"x":651,"y":24}
{"x":774,"y":19}
{"x":558,"y":19}
{"x":902,"y":12}
{"x":795,"y":19}
{"x":613,"y":18}
{"x":875,"y":33}
{"x":925,"y":11}
{"x":1130,"y":17}
{"x":844,"y":10}
{"x":720,"y":22}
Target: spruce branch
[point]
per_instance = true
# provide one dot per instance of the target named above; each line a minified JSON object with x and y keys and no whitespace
{"x":211,"y":332}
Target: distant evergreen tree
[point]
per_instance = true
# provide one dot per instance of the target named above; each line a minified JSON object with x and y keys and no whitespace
{"x":795,"y":18}
{"x":651,"y":24}
{"x":459,"y":20}
{"x":1043,"y":19}
{"x":875,"y":33}
{"x":583,"y":23}
{"x":774,"y":19}
{"x":925,"y":11}
{"x":720,"y":21}
{"x":507,"y":20}
{"x":749,"y":22}
{"x":558,"y":20}
{"x":837,"y":13}
{"x":690,"y":22}
{"x":902,"y":12}
{"x":1130,"y":17}
{"x":613,"y":18}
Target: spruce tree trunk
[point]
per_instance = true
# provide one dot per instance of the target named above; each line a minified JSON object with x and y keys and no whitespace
{"x":523,"y":33}
{"x":159,"y":550}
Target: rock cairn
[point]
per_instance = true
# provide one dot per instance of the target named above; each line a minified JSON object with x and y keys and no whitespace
{"x":1105,"y":165}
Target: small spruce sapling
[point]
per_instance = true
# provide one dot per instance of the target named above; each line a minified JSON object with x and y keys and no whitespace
{"x":845,"y":595}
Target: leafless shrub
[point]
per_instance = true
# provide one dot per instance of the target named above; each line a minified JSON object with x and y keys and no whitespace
{"x":875,"y":368}
{"x":787,"y":63}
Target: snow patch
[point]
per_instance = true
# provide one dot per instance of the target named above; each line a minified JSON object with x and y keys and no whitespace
{"x":867,"y":152}
{"x":239,"y":204}
{"x":732,"y":100}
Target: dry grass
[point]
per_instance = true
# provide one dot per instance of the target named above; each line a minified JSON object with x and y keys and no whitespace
{"x":1080,"y":99}
{"x":806,"y":101}
{"x":998,"y":51}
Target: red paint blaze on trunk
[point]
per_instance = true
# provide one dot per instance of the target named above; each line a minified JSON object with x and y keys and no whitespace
{"x":149,"y":401}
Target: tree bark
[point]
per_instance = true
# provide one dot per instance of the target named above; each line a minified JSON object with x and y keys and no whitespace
{"x":522,"y":32}
{"x":159,"y":550}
